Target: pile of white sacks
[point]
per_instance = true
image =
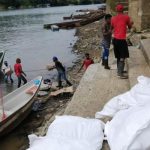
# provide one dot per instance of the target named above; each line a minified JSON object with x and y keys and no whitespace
{"x":129,"y":128}
{"x":70,"y":133}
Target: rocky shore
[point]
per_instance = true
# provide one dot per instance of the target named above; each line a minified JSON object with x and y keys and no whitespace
{"x":88,"y":42}
{"x":37,"y":122}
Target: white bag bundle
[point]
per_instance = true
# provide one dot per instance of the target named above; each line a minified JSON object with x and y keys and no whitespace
{"x":129,"y":129}
{"x":139,"y":95}
{"x":70,"y":133}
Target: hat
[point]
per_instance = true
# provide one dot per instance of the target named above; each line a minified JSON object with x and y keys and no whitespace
{"x":119,"y":7}
{"x":55,"y":58}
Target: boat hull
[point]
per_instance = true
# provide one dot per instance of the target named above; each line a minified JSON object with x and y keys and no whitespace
{"x":11,"y":122}
{"x":2,"y":54}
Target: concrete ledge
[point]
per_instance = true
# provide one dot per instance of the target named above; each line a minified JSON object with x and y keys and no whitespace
{"x":95,"y":89}
{"x":137,"y":65}
{"x":145,"y":46}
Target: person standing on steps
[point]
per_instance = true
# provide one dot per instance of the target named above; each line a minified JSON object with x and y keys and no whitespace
{"x":106,"y":40}
{"x":61,"y":72}
{"x":119,"y":25}
{"x":19,"y":72}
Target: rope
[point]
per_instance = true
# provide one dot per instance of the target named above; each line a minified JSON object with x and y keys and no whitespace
{"x":35,"y":70}
{"x":3,"y":110}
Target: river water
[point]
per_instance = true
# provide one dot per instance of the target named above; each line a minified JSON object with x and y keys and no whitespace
{"x":22,"y":35}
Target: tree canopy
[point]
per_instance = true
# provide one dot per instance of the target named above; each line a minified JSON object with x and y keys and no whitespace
{"x":35,"y":3}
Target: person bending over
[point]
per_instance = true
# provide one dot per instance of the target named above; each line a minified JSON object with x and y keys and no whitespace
{"x":87,"y":62}
{"x":61,"y":72}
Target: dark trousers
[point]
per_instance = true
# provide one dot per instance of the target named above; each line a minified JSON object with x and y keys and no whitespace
{"x":62,"y":75}
{"x":21,"y":77}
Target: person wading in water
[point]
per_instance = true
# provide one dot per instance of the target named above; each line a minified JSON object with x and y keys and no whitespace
{"x":19,"y":72}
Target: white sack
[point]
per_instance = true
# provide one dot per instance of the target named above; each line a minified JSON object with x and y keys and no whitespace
{"x":139,"y":95}
{"x":70,"y":133}
{"x":129,"y":129}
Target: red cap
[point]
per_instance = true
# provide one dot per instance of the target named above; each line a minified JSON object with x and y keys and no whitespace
{"x":119,"y":7}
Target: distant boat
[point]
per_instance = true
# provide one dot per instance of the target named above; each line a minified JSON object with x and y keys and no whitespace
{"x":54,"y":28}
{"x":2,"y":54}
{"x":76,"y":23}
{"x":15,"y":106}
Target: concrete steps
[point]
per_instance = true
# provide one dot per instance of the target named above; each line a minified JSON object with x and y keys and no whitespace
{"x":137,"y":65}
{"x":145,"y":47}
{"x":95,"y":89}
{"x":98,"y":85}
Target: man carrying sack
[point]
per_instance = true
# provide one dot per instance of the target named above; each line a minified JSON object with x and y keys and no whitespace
{"x":7,"y":70}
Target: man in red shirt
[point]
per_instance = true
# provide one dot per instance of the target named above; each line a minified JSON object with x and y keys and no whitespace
{"x":19,"y":72}
{"x":119,"y":25}
{"x":87,"y":62}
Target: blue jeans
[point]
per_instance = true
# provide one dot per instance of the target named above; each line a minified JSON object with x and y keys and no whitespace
{"x":8,"y":76}
{"x":105,"y":53}
{"x":62,"y":75}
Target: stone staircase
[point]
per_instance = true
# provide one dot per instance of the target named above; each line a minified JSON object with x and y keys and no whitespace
{"x":98,"y":85}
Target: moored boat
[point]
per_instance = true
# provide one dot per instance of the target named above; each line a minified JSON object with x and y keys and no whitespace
{"x":76,"y":23}
{"x":17,"y":105}
{"x":2,"y":54}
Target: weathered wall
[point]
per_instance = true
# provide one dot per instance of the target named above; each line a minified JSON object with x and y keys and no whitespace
{"x":145,"y":14}
{"x":135,"y":13}
{"x":139,"y":10}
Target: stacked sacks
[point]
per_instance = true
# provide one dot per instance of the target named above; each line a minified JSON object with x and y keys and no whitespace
{"x":130,"y":127}
{"x":70,"y":133}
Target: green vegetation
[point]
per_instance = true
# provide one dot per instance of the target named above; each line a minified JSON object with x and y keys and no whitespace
{"x":40,"y":3}
{"x":112,"y":4}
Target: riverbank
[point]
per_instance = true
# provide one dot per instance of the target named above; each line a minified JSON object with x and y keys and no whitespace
{"x":37,"y":122}
{"x":88,"y":42}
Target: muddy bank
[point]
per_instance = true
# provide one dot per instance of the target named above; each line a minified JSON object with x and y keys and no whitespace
{"x":37,"y":122}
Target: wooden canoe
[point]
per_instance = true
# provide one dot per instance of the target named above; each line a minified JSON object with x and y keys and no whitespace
{"x":80,"y":16}
{"x":17,"y":105}
{"x":2,"y":54}
{"x":77,"y":23}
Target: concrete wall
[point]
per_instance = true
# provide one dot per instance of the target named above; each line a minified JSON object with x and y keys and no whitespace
{"x":139,"y":10}
{"x":146,"y":14}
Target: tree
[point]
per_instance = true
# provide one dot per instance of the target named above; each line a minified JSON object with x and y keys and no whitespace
{"x":84,"y":2}
{"x":75,"y":2}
